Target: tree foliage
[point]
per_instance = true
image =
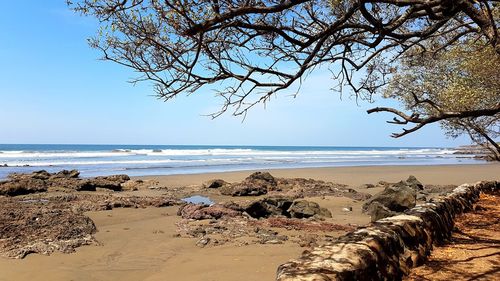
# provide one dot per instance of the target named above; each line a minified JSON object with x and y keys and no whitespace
{"x":253,"y":49}
{"x":466,"y":78}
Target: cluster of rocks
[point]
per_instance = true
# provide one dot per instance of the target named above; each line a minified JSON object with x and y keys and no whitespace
{"x":251,"y":221}
{"x":399,"y":197}
{"x":41,"y":181}
{"x":388,"y":248}
{"x":27,"y":227}
{"x":287,"y":207}
{"x":263,"y":208}
{"x":44,"y":223}
{"x":261,"y":183}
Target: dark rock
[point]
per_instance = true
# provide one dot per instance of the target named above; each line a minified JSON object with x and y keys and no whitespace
{"x":114,"y":178}
{"x":257,"y":183}
{"x":414,"y":183}
{"x":285,"y":206}
{"x":73,"y":174}
{"x":40,"y":181}
{"x":262,"y":176}
{"x":108,"y":182}
{"x":22,"y":186}
{"x":40,"y":175}
{"x":378,"y":211}
{"x":201,"y":212}
{"x":306,"y":209}
{"x":271,"y":206}
{"x":398,"y":197}
{"x":216,"y":183}
{"x":243,"y":189}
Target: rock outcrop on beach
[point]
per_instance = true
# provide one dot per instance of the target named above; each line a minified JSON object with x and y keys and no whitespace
{"x":41,"y":181}
{"x":55,"y":221}
{"x":397,"y":197}
{"x":34,"y":226}
{"x":262,"y":183}
{"x":258,"y":183}
{"x":270,"y":206}
{"x":394,"y":199}
{"x":401,"y":196}
{"x":305,"y":209}
{"x":277,"y":206}
{"x":215,"y":183}
{"x":51,"y":216}
{"x":285,"y":207}
{"x":202,"y":212}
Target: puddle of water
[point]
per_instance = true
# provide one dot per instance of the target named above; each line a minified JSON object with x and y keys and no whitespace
{"x":197,"y":199}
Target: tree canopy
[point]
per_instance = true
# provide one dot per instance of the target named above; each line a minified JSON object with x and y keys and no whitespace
{"x":254,"y":49}
{"x":466,"y":78}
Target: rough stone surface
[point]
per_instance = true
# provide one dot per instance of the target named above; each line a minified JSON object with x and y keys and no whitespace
{"x":271,"y":206}
{"x":414,"y":183}
{"x":263,"y":178}
{"x":286,"y":207}
{"x":31,"y":227}
{"x":388,"y":248}
{"x":378,"y":211}
{"x":306,"y":209}
{"x":215,"y":183}
{"x":201,"y":212}
{"x":258,"y":183}
{"x":41,"y":181}
{"x":22,"y":186}
{"x":397,"y":197}
{"x":243,"y":189}
{"x":72,"y":174}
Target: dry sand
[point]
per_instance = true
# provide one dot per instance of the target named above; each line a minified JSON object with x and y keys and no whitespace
{"x":139,"y":244}
{"x":355,"y":176}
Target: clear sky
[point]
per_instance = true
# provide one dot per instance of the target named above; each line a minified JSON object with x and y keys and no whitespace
{"x":54,"y":89}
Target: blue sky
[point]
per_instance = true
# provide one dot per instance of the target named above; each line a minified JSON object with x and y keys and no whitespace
{"x":54,"y":89}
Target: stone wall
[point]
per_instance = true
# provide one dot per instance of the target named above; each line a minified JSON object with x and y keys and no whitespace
{"x":388,"y":248}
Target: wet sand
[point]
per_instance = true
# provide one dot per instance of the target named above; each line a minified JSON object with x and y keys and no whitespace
{"x":141,"y":244}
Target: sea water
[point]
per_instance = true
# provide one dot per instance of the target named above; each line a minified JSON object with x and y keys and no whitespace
{"x":141,"y":160}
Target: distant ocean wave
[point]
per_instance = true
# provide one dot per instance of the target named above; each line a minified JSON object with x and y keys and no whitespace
{"x":146,"y":160}
{"x":213,"y":152}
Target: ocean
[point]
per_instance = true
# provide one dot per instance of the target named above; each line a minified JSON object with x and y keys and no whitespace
{"x":143,"y":160}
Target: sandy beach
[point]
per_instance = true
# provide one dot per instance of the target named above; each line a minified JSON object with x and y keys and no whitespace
{"x":143,"y":244}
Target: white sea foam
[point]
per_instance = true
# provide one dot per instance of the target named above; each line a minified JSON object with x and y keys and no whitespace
{"x":218,"y":152}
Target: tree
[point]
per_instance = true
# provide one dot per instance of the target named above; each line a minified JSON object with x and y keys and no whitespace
{"x":254,"y":49}
{"x":466,"y":78}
